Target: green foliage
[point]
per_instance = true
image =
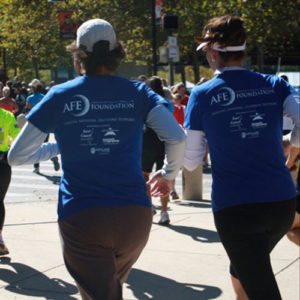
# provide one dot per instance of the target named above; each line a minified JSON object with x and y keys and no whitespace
{"x":29,"y":29}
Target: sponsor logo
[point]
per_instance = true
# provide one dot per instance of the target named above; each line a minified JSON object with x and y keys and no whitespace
{"x":254,"y":92}
{"x":87,"y":133}
{"x":236,"y":121}
{"x":80,"y":105}
{"x":94,"y":150}
{"x":258,"y":121}
{"x":110,"y":137}
{"x":251,"y":135}
{"x":224,"y":97}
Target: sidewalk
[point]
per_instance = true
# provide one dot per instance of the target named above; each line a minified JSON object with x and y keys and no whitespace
{"x":184,"y":261}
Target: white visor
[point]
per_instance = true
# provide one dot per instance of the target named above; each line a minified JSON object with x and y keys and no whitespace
{"x":201,"y":46}
{"x":223,"y":49}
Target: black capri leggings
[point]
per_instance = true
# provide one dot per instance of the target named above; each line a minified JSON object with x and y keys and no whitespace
{"x":5,"y":171}
{"x":248,"y":233}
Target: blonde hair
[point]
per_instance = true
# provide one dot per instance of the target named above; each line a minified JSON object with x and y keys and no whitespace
{"x":6,"y":89}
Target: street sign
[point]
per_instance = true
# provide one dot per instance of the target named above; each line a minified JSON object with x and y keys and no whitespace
{"x":172,"y":41}
{"x":173,"y":48}
{"x":163,"y":54}
{"x":173,"y":51}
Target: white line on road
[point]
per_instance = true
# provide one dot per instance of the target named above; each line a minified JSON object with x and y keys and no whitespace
{"x":18,"y":195}
{"x":34,"y":186}
{"x":33,"y":177}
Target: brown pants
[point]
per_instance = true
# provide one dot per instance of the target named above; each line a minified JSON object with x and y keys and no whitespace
{"x":101,"y":244}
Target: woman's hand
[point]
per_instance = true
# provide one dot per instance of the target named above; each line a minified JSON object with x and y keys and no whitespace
{"x":160,"y":187}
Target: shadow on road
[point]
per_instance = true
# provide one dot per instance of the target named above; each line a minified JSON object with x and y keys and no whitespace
{"x":54,"y":179}
{"x":25,"y":280}
{"x":197,"y":234}
{"x":200,"y":204}
{"x":146,"y":285}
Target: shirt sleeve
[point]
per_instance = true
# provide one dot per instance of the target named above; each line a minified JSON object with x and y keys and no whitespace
{"x":193,"y":117}
{"x":150,"y":99}
{"x":29,"y":148}
{"x":169,"y":131}
{"x":195,"y":149}
{"x":44,"y":115}
{"x":291,"y":108}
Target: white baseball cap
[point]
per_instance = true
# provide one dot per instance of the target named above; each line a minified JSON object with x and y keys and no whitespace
{"x":34,"y":83}
{"x":93,"y":31}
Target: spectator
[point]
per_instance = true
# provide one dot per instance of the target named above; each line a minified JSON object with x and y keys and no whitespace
{"x":8,"y":130}
{"x":10,"y":85}
{"x":180,"y":88}
{"x":153,"y":152}
{"x":1,"y":89}
{"x":142,"y":77}
{"x":36,"y":96}
{"x":36,"y":88}
{"x":24,"y":90}
{"x":7,"y":102}
{"x":20,"y":99}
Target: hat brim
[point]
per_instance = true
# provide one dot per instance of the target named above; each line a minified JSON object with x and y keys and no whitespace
{"x":201,"y":46}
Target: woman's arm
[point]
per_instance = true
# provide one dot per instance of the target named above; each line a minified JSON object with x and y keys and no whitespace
{"x":195,"y":149}
{"x":291,"y":107}
{"x":29,"y":147}
{"x":168,"y":131}
{"x":292,"y":156}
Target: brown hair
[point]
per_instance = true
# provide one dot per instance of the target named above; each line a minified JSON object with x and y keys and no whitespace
{"x":101,"y":56}
{"x":225,"y":31}
{"x":177,"y":87}
{"x":155,"y":83}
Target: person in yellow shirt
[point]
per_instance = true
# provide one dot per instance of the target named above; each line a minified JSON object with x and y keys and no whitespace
{"x":8,"y":131}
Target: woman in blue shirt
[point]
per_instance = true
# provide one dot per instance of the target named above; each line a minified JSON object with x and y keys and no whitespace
{"x":240,"y":113}
{"x":104,"y":212}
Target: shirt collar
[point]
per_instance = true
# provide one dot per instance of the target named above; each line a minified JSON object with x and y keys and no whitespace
{"x":234,"y":68}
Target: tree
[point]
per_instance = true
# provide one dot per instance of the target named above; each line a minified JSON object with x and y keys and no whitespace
{"x":29,"y":29}
{"x":272,"y":26}
{"x":29,"y":32}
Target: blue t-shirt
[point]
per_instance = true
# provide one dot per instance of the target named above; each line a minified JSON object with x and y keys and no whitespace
{"x":241,"y":114}
{"x":34,"y":99}
{"x":98,"y":125}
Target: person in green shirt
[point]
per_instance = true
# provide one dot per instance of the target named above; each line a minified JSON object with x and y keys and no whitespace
{"x":8,"y":131}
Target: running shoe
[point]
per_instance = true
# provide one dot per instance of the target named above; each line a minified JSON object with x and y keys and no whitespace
{"x":174,"y":195}
{"x":164,"y":218}
{"x":55,"y":163}
{"x":36,"y":170}
{"x":3,"y":250}
{"x":153,"y":210}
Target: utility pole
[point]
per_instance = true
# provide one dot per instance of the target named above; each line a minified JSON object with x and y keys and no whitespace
{"x":154,"y":59}
{"x":171,"y":25}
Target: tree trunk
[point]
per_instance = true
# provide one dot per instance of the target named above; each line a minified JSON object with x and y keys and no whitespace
{"x":260,"y":58}
{"x":182,"y":71}
{"x":196,"y":68}
{"x":36,"y":68}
